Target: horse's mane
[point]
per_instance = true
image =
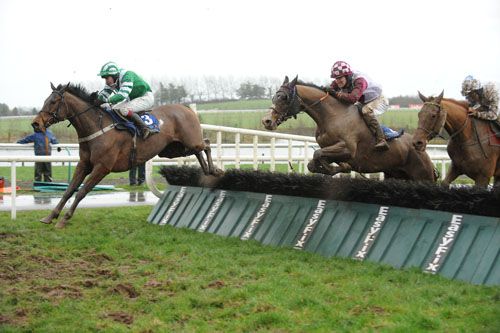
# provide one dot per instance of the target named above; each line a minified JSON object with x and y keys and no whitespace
{"x":463,"y":104}
{"x":79,"y":91}
{"x":308,"y":84}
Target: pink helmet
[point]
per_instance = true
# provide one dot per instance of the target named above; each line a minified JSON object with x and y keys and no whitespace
{"x":340,"y":68}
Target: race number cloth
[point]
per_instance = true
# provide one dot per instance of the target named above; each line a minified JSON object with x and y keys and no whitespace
{"x":150,"y":120}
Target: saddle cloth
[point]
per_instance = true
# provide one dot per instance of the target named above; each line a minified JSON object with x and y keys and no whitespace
{"x":123,"y":123}
{"x":495,"y":133}
{"x":391,"y":134}
{"x":495,"y":127}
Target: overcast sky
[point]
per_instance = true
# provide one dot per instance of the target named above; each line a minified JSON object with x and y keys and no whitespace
{"x":428,"y":45}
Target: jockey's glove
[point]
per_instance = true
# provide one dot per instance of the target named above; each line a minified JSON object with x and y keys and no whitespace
{"x":105,"y":106}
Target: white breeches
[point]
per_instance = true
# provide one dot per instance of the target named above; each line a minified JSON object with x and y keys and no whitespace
{"x":142,"y":103}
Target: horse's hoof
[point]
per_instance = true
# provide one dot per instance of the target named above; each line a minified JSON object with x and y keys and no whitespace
{"x":46,"y":220}
{"x":61,"y":224}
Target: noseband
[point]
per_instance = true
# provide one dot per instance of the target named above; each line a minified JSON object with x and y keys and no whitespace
{"x":296,"y":102}
{"x":431,"y":134}
{"x":54,"y":116}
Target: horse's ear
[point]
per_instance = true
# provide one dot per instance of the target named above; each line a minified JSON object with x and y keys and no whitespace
{"x":294,"y":81}
{"x":422,"y":97}
{"x":67,"y":86}
{"x":52,"y":86}
{"x":440,"y":97}
{"x":286,"y":80}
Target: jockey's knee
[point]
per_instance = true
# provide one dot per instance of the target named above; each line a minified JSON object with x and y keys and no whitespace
{"x":126,"y":112}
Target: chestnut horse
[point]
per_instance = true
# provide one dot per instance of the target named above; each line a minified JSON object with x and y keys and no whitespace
{"x":468,"y":145}
{"x":344,"y":137}
{"x":104,"y":149}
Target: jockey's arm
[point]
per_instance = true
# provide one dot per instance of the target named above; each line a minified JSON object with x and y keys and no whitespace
{"x":105,"y":94}
{"x":354,"y":96}
{"x":125,"y":89}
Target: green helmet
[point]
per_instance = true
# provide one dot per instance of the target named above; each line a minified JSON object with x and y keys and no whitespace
{"x":109,"y":69}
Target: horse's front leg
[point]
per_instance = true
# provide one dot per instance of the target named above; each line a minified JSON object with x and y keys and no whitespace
{"x":81,"y":171}
{"x":338,"y":153}
{"x":451,"y":175}
{"x":97,"y":174}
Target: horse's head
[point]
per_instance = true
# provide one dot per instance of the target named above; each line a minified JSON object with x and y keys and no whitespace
{"x":54,"y":110}
{"x":431,"y":118}
{"x":286,"y":104}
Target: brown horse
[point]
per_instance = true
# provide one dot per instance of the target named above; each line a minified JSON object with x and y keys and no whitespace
{"x":344,"y":138}
{"x":104,"y":149}
{"x":468,"y":146}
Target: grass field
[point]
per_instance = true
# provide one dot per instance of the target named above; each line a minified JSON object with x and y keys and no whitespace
{"x":111,"y":271}
{"x":236,"y":105}
{"x":12,"y":130}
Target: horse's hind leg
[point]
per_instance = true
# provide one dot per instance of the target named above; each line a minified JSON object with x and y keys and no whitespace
{"x":203,"y":164}
{"x":212,"y":170}
{"x":82,"y":170}
{"x":97,"y":174}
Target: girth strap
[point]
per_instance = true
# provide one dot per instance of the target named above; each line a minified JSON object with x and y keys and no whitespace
{"x":96,"y":134}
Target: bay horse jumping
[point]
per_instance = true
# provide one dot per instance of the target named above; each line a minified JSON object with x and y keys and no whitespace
{"x":468,"y":146}
{"x":344,"y":137}
{"x":104,"y":149}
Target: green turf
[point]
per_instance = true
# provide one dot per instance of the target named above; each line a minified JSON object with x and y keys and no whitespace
{"x":12,"y":130}
{"x":111,"y":271}
{"x":236,"y":105}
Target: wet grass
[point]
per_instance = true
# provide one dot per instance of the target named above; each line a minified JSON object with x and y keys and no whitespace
{"x":112,"y":271}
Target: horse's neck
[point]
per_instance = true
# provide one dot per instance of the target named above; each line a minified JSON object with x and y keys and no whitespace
{"x":320,"y":112}
{"x":456,"y":119}
{"x":85,"y":121}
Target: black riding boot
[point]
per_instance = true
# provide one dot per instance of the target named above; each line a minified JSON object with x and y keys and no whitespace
{"x":375,"y":128}
{"x":143,"y":128}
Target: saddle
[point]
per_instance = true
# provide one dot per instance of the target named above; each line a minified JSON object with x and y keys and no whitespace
{"x":495,"y":127}
{"x":124,"y":124}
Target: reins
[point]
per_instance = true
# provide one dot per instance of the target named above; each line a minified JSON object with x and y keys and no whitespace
{"x":296,"y":98}
{"x":55,"y":116}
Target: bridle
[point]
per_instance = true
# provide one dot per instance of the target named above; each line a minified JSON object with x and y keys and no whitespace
{"x":54,"y":116}
{"x":295,"y":104}
{"x":431,"y":134}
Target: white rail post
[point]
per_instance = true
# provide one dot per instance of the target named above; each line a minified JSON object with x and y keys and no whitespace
{"x":443,"y":169}
{"x":306,"y":159}
{"x":289,"y":168}
{"x":13,"y":184}
{"x":255,"y":146}
{"x":273,"y":159}
{"x":219,"y":150}
{"x":237,"y":148}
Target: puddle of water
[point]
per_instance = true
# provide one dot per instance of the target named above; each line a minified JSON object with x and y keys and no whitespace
{"x":50,"y":200}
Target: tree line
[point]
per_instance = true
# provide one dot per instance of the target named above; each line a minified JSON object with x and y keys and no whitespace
{"x":210,"y":89}
{"x":6,"y":111}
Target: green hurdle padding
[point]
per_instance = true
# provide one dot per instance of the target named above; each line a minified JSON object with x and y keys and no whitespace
{"x":458,"y":246}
